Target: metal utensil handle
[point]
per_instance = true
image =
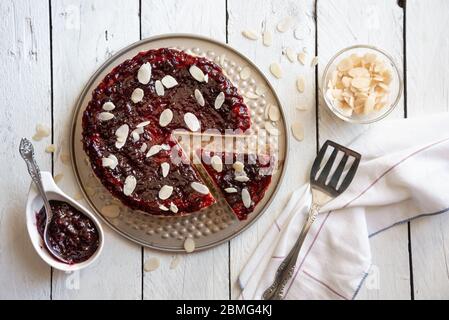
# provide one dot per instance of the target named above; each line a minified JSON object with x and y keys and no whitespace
{"x":27,"y":152}
{"x":287,"y":267}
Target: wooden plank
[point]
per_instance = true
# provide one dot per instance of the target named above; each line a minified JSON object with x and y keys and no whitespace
{"x":25,"y":88}
{"x":202,"y":275}
{"x":427,"y":86}
{"x":258,"y":15}
{"x":379,"y":23}
{"x":85,"y":34}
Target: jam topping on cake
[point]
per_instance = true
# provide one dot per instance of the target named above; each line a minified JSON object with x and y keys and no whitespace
{"x":241,"y":178}
{"x":127,"y":128}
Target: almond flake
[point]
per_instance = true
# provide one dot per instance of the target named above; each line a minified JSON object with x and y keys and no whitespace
{"x":189,"y":245}
{"x":173,"y":208}
{"x":42,"y":130}
{"x":143,"y":124}
{"x":111,"y":211}
{"x":130,"y":185}
{"x":200,"y":188}
{"x":302,"y":57}
{"x":219,"y":100}
{"x":199,"y":97}
{"x":105,"y":116}
{"x":238,"y":166}
{"x":137,"y":95}
{"x":65,"y":158}
{"x":369,"y":103}
{"x":290,"y":53}
{"x":135,"y":135}
{"x":245,"y":73}
{"x":267,"y":38}
{"x":191,"y":122}
{"x":274,"y":114}
{"x":276,"y":70}
{"x":361,"y":83}
{"x":300,"y":84}
{"x":153,"y":150}
{"x":111,"y":161}
{"x":165,"y":192}
{"x":165,"y":147}
{"x":345,"y":65}
{"x":159,"y":87}
{"x":298,"y":131}
{"x":206,"y":78}
{"x":241,"y":178}
{"x":284,"y":24}
{"x":272,"y":129}
{"x":144,"y":147}
{"x":230,"y":190}
{"x":169,"y":82}
{"x":163,"y":208}
{"x":165,"y":118}
{"x":217,"y":163}
{"x":359,"y":72}
{"x":144,"y":73}
{"x":139,"y":130}
{"x":50,"y":149}
{"x":302,"y":107}
{"x":165,"y":166}
{"x":249,"y":34}
{"x":108,"y":106}
{"x":122,"y":134}
{"x":314,"y":62}
{"x":246,"y":198}
{"x":151,"y":264}
{"x":78,"y":196}
{"x":196,"y":73}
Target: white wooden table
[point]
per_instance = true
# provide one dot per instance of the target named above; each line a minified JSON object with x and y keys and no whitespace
{"x":49,"y":49}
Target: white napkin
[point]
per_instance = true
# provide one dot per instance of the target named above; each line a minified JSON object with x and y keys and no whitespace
{"x":404,"y":174}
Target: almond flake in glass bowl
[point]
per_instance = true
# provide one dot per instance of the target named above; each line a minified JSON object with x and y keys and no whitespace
{"x":361,"y":84}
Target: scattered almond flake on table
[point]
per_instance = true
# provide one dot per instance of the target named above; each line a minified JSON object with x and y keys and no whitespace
{"x":274,"y":114}
{"x":267,"y":38}
{"x":108,"y":106}
{"x":245,"y":73}
{"x":169,"y":82}
{"x":58,"y":177}
{"x":129,"y":185}
{"x":246,"y":198}
{"x":284,"y":24}
{"x":219,"y":100}
{"x":50,"y":148}
{"x":165,"y":166}
{"x":144,"y":73}
{"x":276,"y":70}
{"x":249,"y":34}
{"x":165,"y":192}
{"x":42,"y":131}
{"x":200,"y":188}
{"x":290,"y":53}
{"x":314,"y":62}
{"x":165,"y":118}
{"x":196,"y":73}
{"x":302,"y":56}
{"x":111,"y":211}
{"x":300,"y":84}
{"x":137,"y":95}
{"x":176,"y":259}
{"x":199,"y":97}
{"x":217,"y":163}
{"x":189,"y":245}
{"x":191,"y":122}
{"x":105,"y":116}
{"x":151,"y":264}
{"x":298,"y":131}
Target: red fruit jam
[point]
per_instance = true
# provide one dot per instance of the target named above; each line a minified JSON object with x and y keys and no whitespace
{"x":99,"y":137}
{"x":71,"y":234}
{"x":258,"y":170}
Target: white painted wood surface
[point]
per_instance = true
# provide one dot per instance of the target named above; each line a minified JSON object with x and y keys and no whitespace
{"x":84,"y":33}
{"x":428,"y":92}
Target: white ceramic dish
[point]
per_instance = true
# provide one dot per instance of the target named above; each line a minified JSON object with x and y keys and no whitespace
{"x":35,"y":203}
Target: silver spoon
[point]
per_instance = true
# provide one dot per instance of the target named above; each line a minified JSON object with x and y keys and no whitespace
{"x":26,"y":150}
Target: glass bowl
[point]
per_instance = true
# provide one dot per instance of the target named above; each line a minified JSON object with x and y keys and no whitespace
{"x":391,"y":98}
